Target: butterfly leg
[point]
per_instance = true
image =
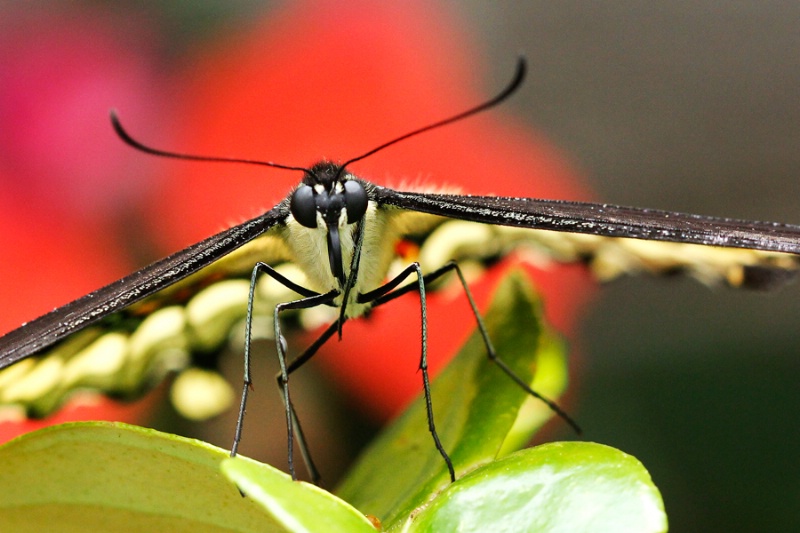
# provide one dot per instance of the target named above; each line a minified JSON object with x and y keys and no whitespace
{"x":375,"y":296}
{"x":310,"y":299}
{"x":491,"y":353}
{"x":283,"y":378}
{"x":291,"y":367}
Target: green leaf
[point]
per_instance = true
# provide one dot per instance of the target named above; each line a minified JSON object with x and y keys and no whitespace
{"x":476,"y":407}
{"x":299,"y":506}
{"x":570,"y":487}
{"x":101,"y":476}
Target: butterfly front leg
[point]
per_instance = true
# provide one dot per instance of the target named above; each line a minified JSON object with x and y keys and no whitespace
{"x":283,"y":384}
{"x":384,"y":293}
{"x":311,"y":299}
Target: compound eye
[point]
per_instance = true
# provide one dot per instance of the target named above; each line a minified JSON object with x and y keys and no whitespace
{"x":355,"y":200}
{"x":303,"y":206}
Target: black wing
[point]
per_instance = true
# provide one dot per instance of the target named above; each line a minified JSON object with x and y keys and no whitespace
{"x":601,"y":219}
{"x":61,"y":322}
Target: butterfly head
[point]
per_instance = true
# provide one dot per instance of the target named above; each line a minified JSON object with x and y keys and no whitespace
{"x":329,"y":198}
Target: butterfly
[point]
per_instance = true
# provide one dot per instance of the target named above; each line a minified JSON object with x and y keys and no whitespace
{"x":336,"y":234}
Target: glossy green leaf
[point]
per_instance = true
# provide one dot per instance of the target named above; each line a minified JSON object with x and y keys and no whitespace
{"x":476,"y":406}
{"x":571,"y":487}
{"x":102,"y":476}
{"x":298,"y":506}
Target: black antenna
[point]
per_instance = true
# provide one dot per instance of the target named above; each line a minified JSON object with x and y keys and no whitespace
{"x":516,"y":81}
{"x":125,"y":136}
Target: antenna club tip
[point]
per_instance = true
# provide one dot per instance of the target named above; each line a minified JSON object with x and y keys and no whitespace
{"x":115,"y":122}
{"x":519,"y":75}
